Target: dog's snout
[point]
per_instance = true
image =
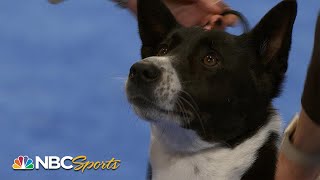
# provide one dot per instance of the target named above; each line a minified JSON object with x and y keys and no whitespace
{"x":146,"y":72}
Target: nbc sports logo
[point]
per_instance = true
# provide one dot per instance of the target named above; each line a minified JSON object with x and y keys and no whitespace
{"x":79,"y":163}
{"x":23,"y":163}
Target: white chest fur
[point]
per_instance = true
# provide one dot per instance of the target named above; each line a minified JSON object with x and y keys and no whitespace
{"x":210,"y":161}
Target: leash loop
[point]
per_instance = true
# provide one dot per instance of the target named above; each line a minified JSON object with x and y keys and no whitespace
{"x":242,"y":18}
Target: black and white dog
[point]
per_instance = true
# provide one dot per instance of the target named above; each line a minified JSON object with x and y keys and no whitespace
{"x":208,"y":95}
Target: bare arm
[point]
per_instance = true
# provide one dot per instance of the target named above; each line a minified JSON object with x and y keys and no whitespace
{"x":306,"y":137}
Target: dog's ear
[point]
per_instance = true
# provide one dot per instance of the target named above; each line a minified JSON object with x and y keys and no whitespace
{"x":155,"y":22}
{"x":272,"y":35}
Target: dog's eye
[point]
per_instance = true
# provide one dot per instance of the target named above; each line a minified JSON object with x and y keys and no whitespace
{"x":163,"y":50}
{"x":210,"y":60}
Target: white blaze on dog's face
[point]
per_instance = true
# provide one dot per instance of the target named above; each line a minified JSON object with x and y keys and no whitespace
{"x":159,"y":104}
{"x":168,"y":88}
{"x":154,"y":90}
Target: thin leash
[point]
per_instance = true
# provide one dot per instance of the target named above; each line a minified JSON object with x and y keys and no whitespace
{"x":243,"y":20}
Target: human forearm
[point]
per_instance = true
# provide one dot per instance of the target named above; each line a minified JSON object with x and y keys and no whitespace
{"x":307,"y":135}
{"x":305,"y":138}
{"x":300,"y":152}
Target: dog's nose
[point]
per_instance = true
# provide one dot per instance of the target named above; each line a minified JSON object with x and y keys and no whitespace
{"x":146,"y":72}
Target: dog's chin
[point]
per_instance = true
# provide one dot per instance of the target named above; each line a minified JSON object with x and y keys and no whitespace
{"x":151,"y":112}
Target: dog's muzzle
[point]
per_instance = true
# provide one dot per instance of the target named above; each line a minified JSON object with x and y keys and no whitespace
{"x":144,"y":77}
{"x":153,"y":87}
{"x":144,"y":73}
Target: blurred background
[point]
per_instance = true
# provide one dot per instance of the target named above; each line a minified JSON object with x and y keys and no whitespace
{"x":62,"y":73}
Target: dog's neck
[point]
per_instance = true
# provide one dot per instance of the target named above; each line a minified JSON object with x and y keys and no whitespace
{"x":174,"y":139}
{"x":177,"y":153}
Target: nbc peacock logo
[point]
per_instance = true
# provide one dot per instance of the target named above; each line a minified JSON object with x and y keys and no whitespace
{"x":23,"y":163}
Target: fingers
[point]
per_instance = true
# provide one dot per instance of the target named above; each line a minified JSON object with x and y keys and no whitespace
{"x":214,"y":22}
{"x":220,"y":22}
{"x":230,"y":20}
{"x":218,"y":7}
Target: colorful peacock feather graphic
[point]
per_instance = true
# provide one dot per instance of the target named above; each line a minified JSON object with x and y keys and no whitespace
{"x":23,"y":163}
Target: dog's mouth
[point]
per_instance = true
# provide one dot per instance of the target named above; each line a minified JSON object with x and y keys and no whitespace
{"x":147,"y":105}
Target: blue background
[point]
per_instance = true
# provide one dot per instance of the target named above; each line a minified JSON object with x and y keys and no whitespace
{"x":62,"y":73}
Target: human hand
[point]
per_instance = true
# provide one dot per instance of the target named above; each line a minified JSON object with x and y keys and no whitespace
{"x":204,"y":13}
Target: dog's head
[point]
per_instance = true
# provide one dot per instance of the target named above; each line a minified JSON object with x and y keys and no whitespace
{"x":211,"y":82}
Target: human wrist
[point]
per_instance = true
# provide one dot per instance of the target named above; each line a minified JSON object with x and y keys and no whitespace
{"x":288,"y":169}
{"x":307,"y":135}
{"x":299,"y":150}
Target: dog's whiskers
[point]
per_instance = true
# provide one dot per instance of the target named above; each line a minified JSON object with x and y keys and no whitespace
{"x":191,"y":98}
{"x":183,"y":111}
{"x":120,"y":78}
{"x":195,"y":111}
{"x":186,"y":82}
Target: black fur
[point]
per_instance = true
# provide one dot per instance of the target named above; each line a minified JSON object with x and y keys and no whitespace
{"x":266,"y":158}
{"x":234,"y":97}
{"x":155,"y":22}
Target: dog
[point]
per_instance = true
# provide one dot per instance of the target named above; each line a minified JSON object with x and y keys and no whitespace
{"x":208,"y":94}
